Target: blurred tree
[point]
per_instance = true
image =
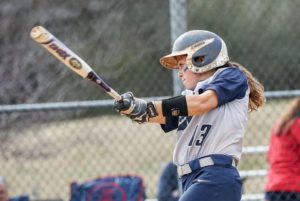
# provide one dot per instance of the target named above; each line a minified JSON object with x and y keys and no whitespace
{"x":123,"y":41}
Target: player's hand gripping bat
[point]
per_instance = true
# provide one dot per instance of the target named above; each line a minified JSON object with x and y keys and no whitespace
{"x":69,"y":58}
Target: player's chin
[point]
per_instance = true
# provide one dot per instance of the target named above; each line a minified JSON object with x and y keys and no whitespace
{"x":189,"y":86}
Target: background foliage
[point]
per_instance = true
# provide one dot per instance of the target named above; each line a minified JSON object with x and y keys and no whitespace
{"x":123,"y":41}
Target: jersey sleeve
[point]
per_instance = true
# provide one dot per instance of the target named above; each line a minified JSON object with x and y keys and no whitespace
{"x":229,"y":84}
{"x":171,"y":124}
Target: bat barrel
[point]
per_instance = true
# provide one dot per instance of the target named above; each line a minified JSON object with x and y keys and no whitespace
{"x":60,"y":51}
{"x":69,"y":58}
{"x":40,"y":34}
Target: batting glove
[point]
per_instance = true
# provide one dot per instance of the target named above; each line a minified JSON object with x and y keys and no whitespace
{"x":134,"y":108}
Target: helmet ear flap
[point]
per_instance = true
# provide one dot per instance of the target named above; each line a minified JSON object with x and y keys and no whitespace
{"x":198,"y":60}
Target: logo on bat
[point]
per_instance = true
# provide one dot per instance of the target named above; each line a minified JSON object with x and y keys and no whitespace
{"x":62,"y":53}
{"x":75,"y":63}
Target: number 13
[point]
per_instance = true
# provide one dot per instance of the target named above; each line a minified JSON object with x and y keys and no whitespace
{"x":203,"y":133}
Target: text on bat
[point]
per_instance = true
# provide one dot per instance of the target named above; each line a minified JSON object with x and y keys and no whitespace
{"x":62,"y":53}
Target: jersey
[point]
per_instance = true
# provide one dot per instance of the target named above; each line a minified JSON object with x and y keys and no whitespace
{"x":219,"y":131}
{"x":284,"y":160}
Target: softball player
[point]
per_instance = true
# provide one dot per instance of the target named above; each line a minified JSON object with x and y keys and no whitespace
{"x":210,"y":115}
{"x":283,"y":179}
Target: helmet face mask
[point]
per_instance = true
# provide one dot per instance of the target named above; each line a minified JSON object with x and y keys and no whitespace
{"x":204,"y":50}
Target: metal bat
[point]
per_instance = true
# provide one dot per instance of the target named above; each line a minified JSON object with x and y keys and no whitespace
{"x":69,"y":58}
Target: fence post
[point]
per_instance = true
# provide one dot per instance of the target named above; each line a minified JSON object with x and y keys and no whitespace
{"x":178,"y":24}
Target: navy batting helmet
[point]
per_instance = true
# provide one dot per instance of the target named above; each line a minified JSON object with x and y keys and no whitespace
{"x":204,"y":50}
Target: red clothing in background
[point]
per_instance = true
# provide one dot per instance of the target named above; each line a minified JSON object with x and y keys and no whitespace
{"x":284,"y":160}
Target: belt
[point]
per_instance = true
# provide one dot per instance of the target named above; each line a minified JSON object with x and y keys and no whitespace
{"x":211,"y":160}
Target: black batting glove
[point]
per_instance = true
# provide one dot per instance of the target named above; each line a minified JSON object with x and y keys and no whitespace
{"x":134,"y":108}
{"x":124,"y":106}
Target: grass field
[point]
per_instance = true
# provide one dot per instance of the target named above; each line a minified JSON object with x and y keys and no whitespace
{"x":45,"y":158}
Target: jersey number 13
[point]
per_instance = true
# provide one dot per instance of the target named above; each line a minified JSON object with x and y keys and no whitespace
{"x":198,"y":137}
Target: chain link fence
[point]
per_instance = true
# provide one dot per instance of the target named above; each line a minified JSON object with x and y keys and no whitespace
{"x":45,"y":147}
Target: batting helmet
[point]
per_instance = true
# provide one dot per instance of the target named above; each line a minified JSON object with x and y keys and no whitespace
{"x":204,"y":50}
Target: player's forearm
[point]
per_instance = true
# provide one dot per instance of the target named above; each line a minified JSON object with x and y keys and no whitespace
{"x":189,"y":105}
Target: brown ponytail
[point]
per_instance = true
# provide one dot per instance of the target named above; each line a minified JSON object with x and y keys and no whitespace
{"x":286,"y":119}
{"x":256,"y":96}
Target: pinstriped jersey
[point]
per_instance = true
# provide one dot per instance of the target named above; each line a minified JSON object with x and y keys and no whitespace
{"x":219,"y":131}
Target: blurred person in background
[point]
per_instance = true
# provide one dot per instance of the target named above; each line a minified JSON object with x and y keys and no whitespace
{"x":210,"y":115}
{"x":283,"y":180}
{"x":168,"y":188}
{"x":4,"y":195}
{"x":3,"y":190}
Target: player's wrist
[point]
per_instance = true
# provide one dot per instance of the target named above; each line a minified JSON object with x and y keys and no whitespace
{"x":151,"y":110}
